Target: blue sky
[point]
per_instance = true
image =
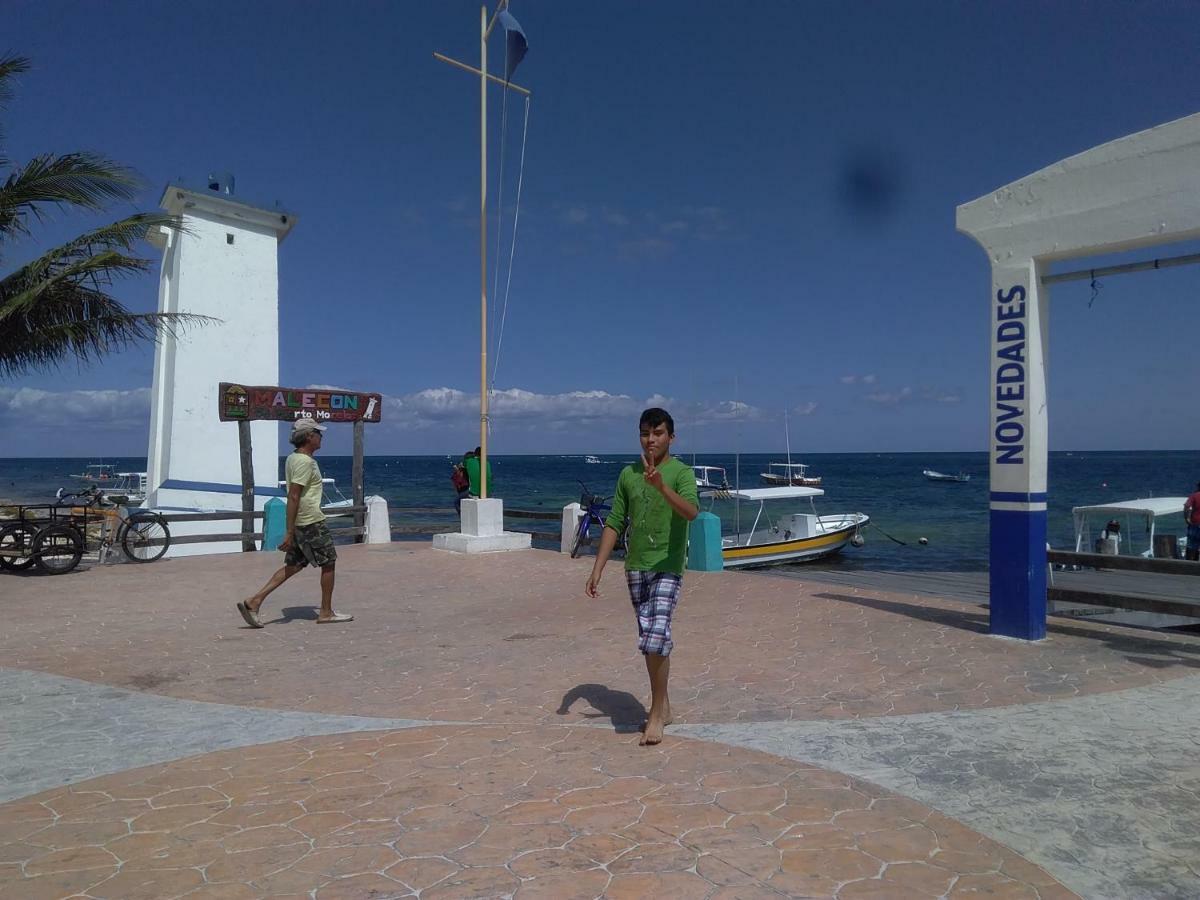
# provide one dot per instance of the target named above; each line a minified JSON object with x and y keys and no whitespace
{"x":740,"y":208}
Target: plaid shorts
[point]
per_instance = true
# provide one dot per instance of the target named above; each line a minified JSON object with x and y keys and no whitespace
{"x":311,"y":545}
{"x":654,"y":596}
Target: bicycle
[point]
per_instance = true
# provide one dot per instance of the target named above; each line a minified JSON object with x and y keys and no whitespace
{"x":56,"y":540}
{"x":595,"y":513}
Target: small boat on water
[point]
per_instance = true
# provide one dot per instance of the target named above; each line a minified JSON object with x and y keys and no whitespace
{"x":126,"y":488}
{"x":789,"y":474}
{"x":129,"y":489}
{"x":787,"y":536}
{"x":97,"y":474}
{"x":1117,"y":529}
{"x":331,"y":497}
{"x":593,"y":460}
{"x":711,"y":478}
{"x":941,"y":476}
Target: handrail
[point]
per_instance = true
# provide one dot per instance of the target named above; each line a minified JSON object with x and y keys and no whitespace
{"x":1124,"y":563}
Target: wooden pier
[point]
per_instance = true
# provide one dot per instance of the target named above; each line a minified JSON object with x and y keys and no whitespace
{"x":1071,"y":592}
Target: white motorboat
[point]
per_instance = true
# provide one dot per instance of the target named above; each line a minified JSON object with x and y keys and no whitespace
{"x":941,"y":476}
{"x":99,"y":473}
{"x":332,"y":499}
{"x":789,"y":474}
{"x":593,"y":460}
{"x":711,"y":478}
{"x":788,"y":535}
{"x":129,"y":489}
{"x":1119,"y":529}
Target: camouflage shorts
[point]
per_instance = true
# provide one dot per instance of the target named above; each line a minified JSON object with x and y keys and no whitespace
{"x":312,"y":545}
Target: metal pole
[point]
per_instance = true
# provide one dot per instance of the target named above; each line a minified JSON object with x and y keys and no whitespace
{"x":483,"y":398}
{"x":1169,"y":262}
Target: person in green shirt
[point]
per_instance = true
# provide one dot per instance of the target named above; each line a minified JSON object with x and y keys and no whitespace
{"x":471,"y":464}
{"x":307,"y":540}
{"x":658,"y":498}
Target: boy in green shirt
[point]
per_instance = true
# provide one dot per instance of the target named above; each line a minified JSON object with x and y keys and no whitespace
{"x":658,"y":495}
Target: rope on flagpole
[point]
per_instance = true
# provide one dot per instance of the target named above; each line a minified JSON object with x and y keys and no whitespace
{"x":500,"y":192}
{"x":513,"y":247}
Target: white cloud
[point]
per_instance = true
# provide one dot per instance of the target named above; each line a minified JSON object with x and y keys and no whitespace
{"x":858,"y":379}
{"x":805,"y":409}
{"x":443,"y":405}
{"x":907,"y":395}
{"x":890,"y":398}
{"x":110,"y":408}
{"x":576,"y":215}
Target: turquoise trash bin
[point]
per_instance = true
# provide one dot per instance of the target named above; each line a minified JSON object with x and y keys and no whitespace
{"x":704,"y":544}
{"x":274,"y":523}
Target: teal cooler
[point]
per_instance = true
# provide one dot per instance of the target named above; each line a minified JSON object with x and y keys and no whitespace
{"x":704,"y":544}
{"x":274,"y":523}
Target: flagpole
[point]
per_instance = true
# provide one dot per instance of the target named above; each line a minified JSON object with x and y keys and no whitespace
{"x":483,"y":397}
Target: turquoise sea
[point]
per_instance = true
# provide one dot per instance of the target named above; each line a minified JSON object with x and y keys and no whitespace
{"x":887,"y":486}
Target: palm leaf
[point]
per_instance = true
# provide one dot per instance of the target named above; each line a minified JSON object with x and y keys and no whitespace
{"x":57,"y":306}
{"x":77,"y":179}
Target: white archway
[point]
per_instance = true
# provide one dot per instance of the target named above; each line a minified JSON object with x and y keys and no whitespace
{"x":1137,"y":191}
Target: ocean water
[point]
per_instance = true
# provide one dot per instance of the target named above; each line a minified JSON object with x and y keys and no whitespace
{"x":902,"y":503}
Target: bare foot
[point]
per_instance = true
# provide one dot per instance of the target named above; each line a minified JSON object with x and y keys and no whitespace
{"x":653,"y":733}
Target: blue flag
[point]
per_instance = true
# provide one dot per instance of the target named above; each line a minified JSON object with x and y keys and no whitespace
{"x":517,"y":45}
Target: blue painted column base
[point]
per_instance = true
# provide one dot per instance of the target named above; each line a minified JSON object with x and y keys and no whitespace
{"x":274,"y":523}
{"x":704,"y":544}
{"x":1018,"y":574}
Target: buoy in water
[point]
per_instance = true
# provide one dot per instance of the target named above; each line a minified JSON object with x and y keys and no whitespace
{"x":923,"y":541}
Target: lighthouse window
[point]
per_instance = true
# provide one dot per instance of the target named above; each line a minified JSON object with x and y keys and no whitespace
{"x":228,"y":238}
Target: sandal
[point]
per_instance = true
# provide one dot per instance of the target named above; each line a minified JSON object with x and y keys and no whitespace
{"x":335,"y":618}
{"x":250,"y":615}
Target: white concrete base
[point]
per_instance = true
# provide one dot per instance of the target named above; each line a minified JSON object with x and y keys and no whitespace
{"x":379,"y":526}
{"x":457,"y":542}
{"x":482,"y":530}
{"x":571,"y":515}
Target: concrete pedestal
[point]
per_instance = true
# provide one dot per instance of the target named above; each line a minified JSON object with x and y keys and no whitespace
{"x":482,"y":530}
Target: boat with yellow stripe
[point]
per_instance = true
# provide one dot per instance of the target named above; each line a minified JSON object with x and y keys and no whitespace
{"x":787,"y":536}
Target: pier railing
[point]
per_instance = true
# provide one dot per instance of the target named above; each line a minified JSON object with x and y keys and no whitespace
{"x":1135,"y":596}
{"x":249,"y":537}
{"x":446,"y":521}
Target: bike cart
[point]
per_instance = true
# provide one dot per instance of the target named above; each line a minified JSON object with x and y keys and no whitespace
{"x":54,"y":536}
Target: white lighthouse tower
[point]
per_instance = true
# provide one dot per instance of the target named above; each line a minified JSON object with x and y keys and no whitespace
{"x":223,"y":263}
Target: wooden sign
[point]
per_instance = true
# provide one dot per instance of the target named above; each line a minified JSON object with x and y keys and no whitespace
{"x":250,"y":403}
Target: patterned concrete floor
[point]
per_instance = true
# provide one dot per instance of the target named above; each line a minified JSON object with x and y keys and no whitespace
{"x":519,"y":797}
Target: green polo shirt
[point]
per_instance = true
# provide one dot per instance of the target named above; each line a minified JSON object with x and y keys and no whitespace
{"x":657,"y":534}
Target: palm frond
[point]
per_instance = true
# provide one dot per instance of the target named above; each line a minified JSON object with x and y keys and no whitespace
{"x":96,"y":258}
{"x":10,"y":66}
{"x":84,"y":180}
{"x":58,"y":306}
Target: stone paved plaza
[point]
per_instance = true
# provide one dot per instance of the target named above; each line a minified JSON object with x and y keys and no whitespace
{"x":474,"y":734}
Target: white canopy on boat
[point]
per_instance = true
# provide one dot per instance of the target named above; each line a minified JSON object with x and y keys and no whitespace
{"x":1151,"y":506}
{"x":770,"y":493}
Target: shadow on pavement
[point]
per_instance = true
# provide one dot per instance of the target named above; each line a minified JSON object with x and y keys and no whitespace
{"x":624,"y":710}
{"x":1145,"y":647}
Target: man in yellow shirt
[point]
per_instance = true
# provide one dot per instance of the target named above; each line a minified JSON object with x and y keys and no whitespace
{"x":307,"y":540}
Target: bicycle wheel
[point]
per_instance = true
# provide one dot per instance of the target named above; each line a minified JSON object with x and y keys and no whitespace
{"x":16,"y":538}
{"x":581,"y":536}
{"x":57,"y":549}
{"x":145,"y":537}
